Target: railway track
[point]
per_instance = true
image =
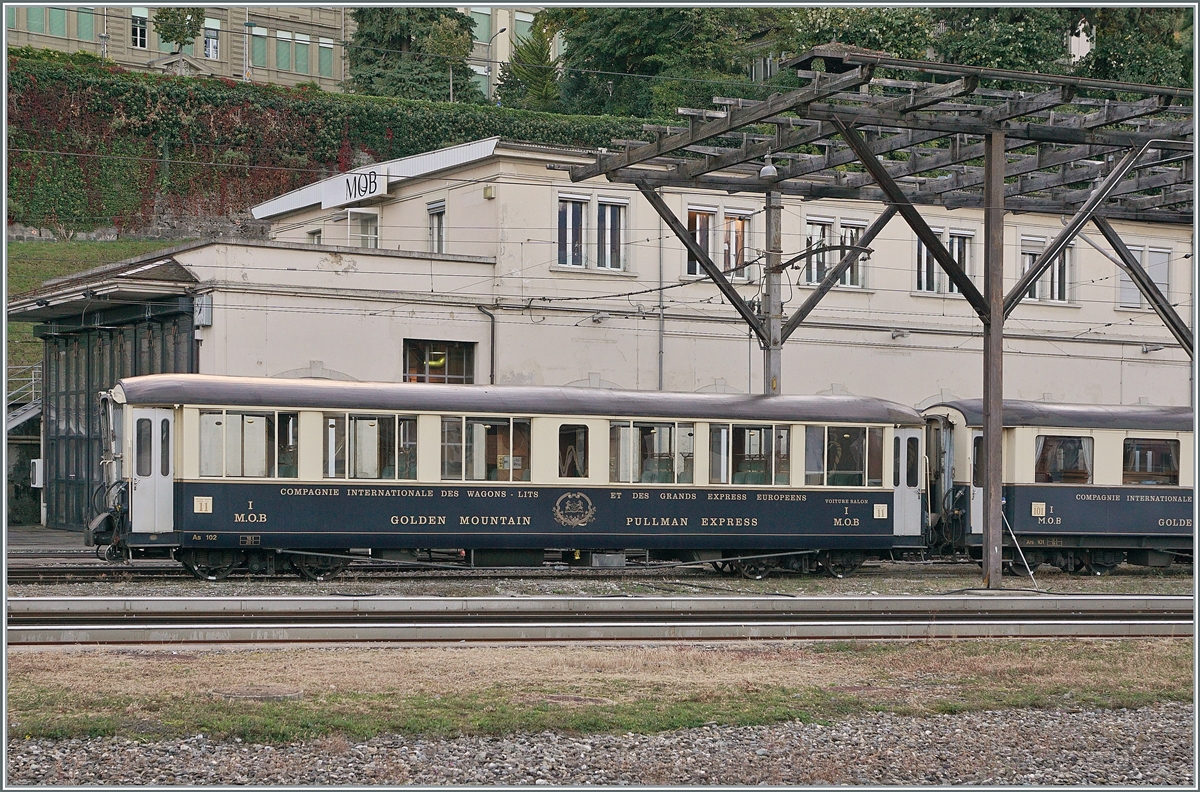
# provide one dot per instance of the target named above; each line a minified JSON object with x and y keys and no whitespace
{"x":416,"y":620}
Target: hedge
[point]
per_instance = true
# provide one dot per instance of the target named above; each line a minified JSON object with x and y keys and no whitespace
{"x":92,"y":144}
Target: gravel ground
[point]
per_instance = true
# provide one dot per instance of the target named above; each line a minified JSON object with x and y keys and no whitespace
{"x":886,"y":579}
{"x":1152,"y":745}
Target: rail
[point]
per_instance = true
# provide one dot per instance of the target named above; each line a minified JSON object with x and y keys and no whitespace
{"x":217,"y":620}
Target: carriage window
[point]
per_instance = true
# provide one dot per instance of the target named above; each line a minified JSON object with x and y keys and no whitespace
{"x":845,"y":456}
{"x":212,"y":442}
{"x":783,"y":435}
{"x":685,"y":452}
{"x":452,"y":449}
{"x":718,"y":445}
{"x":874,"y":456}
{"x":335,"y":445}
{"x":814,"y":455}
{"x":977,"y":462}
{"x":896,"y":462}
{"x":754,"y":455}
{"x":482,"y":449}
{"x":406,"y":442}
{"x":1063,"y":460}
{"x":372,"y":446}
{"x":145,"y":464}
{"x":249,"y":444}
{"x":166,"y":447}
{"x":914,"y":462}
{"x":572,"y":451}
{"x":751,"y":454}
{"x":287,"y":425}
{"x":487,"y":449}
{"x":651,"y":453}
{"x":1151,"y":462}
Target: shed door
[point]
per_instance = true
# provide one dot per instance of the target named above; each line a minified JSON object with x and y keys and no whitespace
{"x":153,"y":470}
{"x":907,"y":465}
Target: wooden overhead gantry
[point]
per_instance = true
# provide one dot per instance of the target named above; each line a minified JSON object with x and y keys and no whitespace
{"x":1092,"y":150}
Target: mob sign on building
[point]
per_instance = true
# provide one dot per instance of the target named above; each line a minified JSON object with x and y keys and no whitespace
{"x":478,"y":264}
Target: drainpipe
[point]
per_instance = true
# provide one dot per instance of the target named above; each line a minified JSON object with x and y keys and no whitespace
{"x":492,"y":354}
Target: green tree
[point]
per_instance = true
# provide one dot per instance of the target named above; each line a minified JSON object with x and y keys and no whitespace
{"x":178,"y":26}
{"x":412,"y":53}
{"x":612,"y":56}
{"x":1139,"y":45}
{"x":903,"y":32}
{"x":530,"y":79}
{"x":1023,"y":38}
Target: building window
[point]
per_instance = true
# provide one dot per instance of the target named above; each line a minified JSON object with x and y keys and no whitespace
{"x":35,"y":20}
{"x":139,"y":21}
{"x":700,"y":223}
{"x":1151,"y":462}
{"x":85,"y":24}
{"x":258,"y":47}
{"x":1055,"y":283}
{"x":479,"y":76}
{"x":57,"y":21}
{"x":930,"y":277}
{"x":570,"y":231}
{"x":522,"y":24}
{"x":853,"y":276}
{"x":10,"y":17}
{"x":364,"y":228}
{"x":1157,"y":263}
{"x":283,"y":50}
{"x":302,"y":52}
{"x":483,"y":23}
{"x":737,"y":235}
{"x":1063,"y":460}
{"x":610,"y":225}
{"x":314,"y":237}
{"x":325,"y":57}
{"x":439,"y":361}
{"x":437,"y":226}
{"x":817,"y":235}
{"x":212,"y":39}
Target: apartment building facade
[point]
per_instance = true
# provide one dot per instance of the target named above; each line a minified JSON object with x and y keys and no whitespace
{"x":285,"y":45}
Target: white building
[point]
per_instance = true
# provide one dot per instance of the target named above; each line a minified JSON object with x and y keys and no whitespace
{"x":477,"y":263}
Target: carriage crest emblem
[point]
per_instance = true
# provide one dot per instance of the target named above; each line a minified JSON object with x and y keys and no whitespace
{"x":574,"y":510}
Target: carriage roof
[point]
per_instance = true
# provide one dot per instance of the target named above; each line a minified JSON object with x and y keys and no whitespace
{"x":1080,"y":416}
{"x":249,"y":392}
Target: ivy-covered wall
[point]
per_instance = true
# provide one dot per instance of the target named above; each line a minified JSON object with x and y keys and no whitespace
{"x":93,"y":145}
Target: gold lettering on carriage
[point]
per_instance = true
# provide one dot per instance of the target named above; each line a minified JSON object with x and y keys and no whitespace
{"x":656,"y":521}
{"x":418,"y":519}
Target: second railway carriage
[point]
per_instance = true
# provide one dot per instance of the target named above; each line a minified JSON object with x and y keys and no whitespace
{"x":228,"y":473}
{"x":1085,"y":486}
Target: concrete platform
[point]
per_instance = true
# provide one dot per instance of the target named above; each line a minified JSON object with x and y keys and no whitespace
{"x":37,"y":537}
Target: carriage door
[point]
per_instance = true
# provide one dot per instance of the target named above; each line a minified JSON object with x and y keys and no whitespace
{"x":976,"y":481}
{"x":906,"y":480}
{"x":152,"y":504}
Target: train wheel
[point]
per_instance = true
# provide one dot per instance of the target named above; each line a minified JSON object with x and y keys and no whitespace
{"x":724,"y":567}
{"x":840,"y":565}
{"x":206,"y":570}
{"x":754,"y":569}
{"x":318,"y":568}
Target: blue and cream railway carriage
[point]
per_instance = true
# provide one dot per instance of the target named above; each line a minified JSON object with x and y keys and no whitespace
{"x":1085,"y":486}
{"x":271,"y":474}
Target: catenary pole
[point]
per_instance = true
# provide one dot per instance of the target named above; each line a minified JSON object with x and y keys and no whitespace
{"x":772,"y":303}
{"x":993,"y":357}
